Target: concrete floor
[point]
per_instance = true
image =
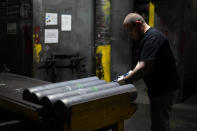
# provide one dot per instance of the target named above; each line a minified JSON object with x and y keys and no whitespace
{"x":183,"y":116}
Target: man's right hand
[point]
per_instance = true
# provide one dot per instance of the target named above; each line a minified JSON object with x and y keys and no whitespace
{"x":121,"y":80}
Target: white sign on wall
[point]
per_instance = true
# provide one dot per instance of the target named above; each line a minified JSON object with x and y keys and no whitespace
{"x":51,"y":36}
{"x":11,"y":28}
{"x":66,"y":21}
{"x":51,"y":19}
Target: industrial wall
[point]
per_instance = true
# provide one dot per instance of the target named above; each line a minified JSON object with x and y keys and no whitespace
{"x":189,"y":38}
{"x":77,"y":41}
{"x":121,"y":54}
{"x":177,"y":22}
{"x":16,"y":36}
{"x":25,"y":51}
{"x":80,"y":40}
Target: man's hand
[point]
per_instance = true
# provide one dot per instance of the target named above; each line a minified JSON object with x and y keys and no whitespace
{"x":121,"y":82}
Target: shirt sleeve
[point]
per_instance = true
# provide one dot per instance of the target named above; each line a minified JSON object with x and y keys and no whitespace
{"x":149,"y":50}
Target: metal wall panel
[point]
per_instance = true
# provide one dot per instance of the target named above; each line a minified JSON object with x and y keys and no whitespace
{"x":77,"y":41}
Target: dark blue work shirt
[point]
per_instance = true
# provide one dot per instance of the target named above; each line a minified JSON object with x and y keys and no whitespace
{"x":163,"y":76}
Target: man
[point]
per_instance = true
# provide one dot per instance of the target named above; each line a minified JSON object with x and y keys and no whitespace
{"x":157,"y":66}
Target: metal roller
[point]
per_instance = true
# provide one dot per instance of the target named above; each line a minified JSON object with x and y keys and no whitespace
{"x":51,"y":99}
{"x":36,"y":96}
{"x":27,"y":92}
{"x":61,"y":107}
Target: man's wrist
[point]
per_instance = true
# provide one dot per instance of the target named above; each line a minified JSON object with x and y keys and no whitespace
{"x":127,"y":81}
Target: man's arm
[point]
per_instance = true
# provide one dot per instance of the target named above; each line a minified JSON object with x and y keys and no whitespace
{"x":142,"y":68}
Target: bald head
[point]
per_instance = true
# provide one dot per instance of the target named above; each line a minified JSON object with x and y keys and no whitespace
{"x":135,"y":25}
{"x":132,"y":18}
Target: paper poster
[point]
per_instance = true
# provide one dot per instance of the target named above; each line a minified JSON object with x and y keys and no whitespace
{"x":11,"y":28}
{"x":66,"y":22}
{"x":51,"y":36}
{"x":51,"y":19}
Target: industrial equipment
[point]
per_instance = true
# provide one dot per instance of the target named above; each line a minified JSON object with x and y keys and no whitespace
{"x":90,"y":108}
{"x":51,"y":99}
{"x":29,"y":91}
{"x":36,"y":97}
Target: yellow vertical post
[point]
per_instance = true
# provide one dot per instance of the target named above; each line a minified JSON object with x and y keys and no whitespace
{"x":105,"y":50}
{"x":151,"y":14}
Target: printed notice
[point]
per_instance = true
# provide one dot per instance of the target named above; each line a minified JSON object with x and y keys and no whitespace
{"x":11,"y":28}
{"x":51,"y":19}
{"x":66,"y":22}
{"x":51,"y":35}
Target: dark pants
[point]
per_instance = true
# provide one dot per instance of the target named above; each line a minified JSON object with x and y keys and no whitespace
{"x":160,"y":108}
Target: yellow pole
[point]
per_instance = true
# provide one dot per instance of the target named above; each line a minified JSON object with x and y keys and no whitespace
{"x":151,"y":14}
{"x":105,"y":50}
{"x":103,"y":39}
